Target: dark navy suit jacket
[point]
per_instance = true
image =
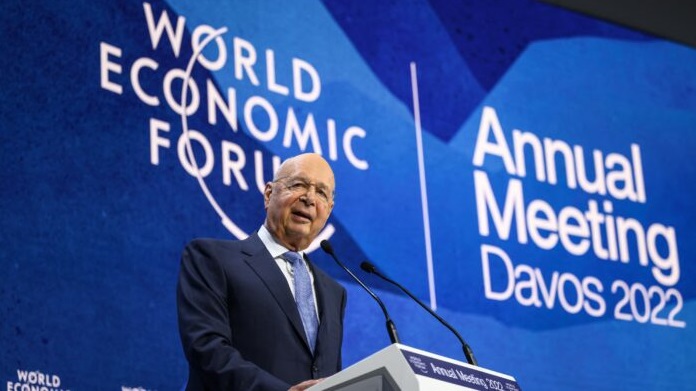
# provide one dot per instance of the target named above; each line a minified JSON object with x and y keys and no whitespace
{"x":239,"y":323}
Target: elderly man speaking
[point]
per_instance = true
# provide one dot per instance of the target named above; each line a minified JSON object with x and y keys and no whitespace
{"x":255,"y":314}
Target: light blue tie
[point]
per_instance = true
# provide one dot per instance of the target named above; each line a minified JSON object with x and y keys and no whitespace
{"x":304,"y":298}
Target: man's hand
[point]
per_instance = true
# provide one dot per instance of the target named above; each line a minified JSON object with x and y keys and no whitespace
{"x":304,"y":385}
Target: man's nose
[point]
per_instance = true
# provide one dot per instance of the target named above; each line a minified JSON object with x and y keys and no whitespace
{"x":310,"y":195}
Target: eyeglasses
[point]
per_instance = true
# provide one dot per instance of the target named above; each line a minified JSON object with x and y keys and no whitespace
{"x":300,"y":185}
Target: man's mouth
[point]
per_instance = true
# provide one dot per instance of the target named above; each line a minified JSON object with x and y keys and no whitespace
{"x":302,"y":215}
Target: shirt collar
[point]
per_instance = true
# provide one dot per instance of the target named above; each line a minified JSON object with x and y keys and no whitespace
{"x":276,"y":249}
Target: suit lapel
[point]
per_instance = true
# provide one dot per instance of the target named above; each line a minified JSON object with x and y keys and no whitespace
{"x":322,"y":293}
{"x":258,"y":258}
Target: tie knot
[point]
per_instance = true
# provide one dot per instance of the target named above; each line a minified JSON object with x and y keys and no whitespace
{"x":292,"y":257}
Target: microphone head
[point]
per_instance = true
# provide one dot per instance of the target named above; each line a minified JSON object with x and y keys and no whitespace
{"x":368,"y":267}
{"x":326,"y":246}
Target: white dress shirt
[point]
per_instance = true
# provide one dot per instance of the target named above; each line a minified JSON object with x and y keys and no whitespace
{"x":277,"y":250}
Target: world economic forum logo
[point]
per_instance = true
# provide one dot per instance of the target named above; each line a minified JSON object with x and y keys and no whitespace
{"x":229,"y":94}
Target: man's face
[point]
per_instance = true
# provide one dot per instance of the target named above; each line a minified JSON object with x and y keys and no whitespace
{"x":299,"y":201}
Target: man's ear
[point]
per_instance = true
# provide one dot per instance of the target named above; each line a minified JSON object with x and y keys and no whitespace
{"x":267,"y":194}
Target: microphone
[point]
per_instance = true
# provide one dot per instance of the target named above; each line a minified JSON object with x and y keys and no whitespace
{"x":391,"y":328}
{"x":468,"y":353}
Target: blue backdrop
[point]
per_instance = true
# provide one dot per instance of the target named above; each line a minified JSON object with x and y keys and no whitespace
{"x":523,"y":169}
